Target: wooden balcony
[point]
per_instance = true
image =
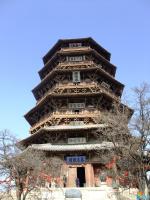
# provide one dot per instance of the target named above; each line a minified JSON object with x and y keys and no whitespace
{"x":82,"y":113}
{"x":72,"y":85}
{"x":81,"y":88}
{"x":66,"y":64}
{"x":68,"y":114}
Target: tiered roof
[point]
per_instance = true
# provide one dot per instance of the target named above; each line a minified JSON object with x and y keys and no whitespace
{"x":63,"y":42}
{"x":78,"y":147}
{"x":55,"y":64}
{"x":48,"y":131}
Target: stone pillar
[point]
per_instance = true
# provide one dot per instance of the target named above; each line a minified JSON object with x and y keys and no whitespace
{"x":89,"y":175}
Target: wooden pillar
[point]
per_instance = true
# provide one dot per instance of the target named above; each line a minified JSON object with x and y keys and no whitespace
{"x":72,"y":174}
{"x":89,"y":175}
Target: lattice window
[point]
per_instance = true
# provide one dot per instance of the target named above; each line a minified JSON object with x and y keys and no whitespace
{"x":106,"y":85}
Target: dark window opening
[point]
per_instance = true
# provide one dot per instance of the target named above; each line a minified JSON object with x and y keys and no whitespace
{"x":76,"y":111}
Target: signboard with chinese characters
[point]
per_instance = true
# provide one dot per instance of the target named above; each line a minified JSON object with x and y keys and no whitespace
{"x":75,"y":44}
{"x":75,"y":159}
{"x":77,"y":140}
{"x":75,"y":58}
{"x":76,"y":105}
{"x":76,"y":123}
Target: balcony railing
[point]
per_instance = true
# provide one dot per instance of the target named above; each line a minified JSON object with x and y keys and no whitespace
{"x":74,"y":49}
{"x":75,"y":63}
{"x":83,"y":85}
{"x":91,"y":86}
{"x":70,"y":113}
{"x":67,"y":114}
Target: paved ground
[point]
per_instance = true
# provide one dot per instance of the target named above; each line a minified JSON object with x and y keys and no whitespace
{"x":99,"y":193}
{"x":92,"y":193}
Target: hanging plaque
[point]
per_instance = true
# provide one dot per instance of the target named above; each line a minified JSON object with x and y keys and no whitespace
{"x":75,"y":159}
{"x":78,"y":140}
{"x":76,"y":105}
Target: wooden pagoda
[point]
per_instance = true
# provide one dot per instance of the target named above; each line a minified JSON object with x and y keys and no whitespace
{"x":77,"y":84}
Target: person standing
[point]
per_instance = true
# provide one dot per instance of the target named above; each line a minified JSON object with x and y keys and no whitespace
{"x":64,"y":180}
{"x":77,"y":182}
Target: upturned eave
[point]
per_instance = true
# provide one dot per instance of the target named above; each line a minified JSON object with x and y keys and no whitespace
{"x":60,"y":128}
{"x":89,"y":50}
{"x":61,"y":41}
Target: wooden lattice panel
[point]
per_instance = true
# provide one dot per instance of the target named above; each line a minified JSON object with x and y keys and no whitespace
{"x":58,"y":119}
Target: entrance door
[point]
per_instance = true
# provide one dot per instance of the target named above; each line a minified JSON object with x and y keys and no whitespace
{"x":81,"y":176}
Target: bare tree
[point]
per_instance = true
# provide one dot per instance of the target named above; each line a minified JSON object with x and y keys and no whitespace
{"x":141,"y":128}
{"x":7,"y":151}
{"x":130,"y":140}
{"x":116,"y":131}
{"x":25,"y":171}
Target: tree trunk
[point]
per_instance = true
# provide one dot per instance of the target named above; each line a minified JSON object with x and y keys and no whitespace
{"x":141,"y":181}
{"x":18,"y":194}
{"x":148,"y":187}
{"x":24,"y":196}
{"x":19,"y":191}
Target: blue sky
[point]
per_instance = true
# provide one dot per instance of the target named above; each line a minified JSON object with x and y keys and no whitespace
{"x":29,"y":28}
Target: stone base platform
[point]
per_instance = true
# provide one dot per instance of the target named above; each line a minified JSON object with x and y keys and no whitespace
{"x":89,"y":193}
